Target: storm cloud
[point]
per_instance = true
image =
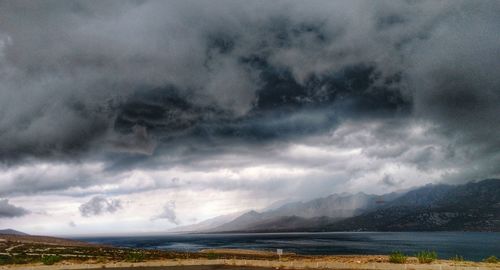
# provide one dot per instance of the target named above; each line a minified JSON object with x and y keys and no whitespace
{"x":99,"y":205}
{"x":8,"y":210}
{"x":267,"y":99}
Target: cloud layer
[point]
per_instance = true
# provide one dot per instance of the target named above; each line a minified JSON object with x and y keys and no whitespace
{"x":268,"y":100}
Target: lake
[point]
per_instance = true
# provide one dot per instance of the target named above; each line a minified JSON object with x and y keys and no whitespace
{"x":471,"y":245}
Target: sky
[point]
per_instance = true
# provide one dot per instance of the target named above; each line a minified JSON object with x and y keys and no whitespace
{"x":140,"y":116}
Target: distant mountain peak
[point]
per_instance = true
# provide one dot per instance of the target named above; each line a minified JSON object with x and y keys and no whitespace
{"x":12,"y":232}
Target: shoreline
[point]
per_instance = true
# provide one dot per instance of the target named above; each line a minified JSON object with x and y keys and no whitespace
{"x":358,"y":262}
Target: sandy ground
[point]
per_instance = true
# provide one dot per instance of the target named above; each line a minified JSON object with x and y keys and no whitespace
{"x":244,"y":252}
{"x":323,"y":262}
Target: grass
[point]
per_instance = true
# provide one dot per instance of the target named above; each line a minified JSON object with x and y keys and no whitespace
{"x":426,"y":256}
{"x":135,"y":257}
{"x":20,"y":258}
{"x":457,"y":258}
{"x":5,"y":259}
{"x":397,"y":257}
{"x":212,"y":256}
{"x":51,"y":259}
{"x":491,"y":259}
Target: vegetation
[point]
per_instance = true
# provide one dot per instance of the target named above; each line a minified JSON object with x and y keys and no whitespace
{"x":51,"y":259}
{"x":426,"y":256}
{"x":491,"y":259}
{"x":4,"y":259}
{"x":135,"y":257}
{"x":397,"y":257}
{"x":20,"y":258}
{"x":212,"y":256}
{"x":457,"y":258}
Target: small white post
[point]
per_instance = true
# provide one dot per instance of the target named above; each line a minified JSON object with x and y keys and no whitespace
{"x":279,"y":251}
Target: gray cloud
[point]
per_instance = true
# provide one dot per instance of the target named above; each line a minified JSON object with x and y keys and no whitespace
{"x":139,"y":142}
{"x":8,"y":210}
{"x":188,"y":83}
{"x":99,"y":205}
{"x":168,"y":213}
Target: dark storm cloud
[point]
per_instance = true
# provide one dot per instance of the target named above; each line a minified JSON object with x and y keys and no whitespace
{"x":188,"y":79}
{"x":99,"y":205}
{"x":8,"y":210}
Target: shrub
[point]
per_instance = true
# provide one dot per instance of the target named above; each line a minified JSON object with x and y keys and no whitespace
{"x":20,"y":259}
{"x":135,"y":257}
{"x":426,"y":256}
{"x":101,"y":260}
{"x":5,"y":259}
{"x":457,"y":258}
{"x":397,"y":257}
{"x":491,"y":259}
{"x":212,"y":256}
{"x":51,"y":259}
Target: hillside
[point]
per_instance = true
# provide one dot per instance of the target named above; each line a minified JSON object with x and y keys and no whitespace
{"x":309,"y":214}
{"x":42,"y":240}
{"x":471,"y":207}
{"x":12,"y":232}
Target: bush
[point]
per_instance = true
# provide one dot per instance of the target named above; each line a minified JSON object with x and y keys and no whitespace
{"x":51,"y":259}
{"x":212,"y":256}
{"x":397,"y":257}
{"x":20,"y":259}
{"x":426,"y":256}
{"x":457,"y":258}
{"x":5,"y":259}
{"x":101,"y":260}
{"x":135,"y":257}
{"x":491,"y":259}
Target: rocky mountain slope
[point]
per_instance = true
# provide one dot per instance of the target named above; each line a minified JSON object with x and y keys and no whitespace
{"x":473,"y":207}
{"x":470,"y":207}
{"x":306,"y":214}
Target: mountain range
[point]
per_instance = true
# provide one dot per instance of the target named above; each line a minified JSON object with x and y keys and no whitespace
{"x":474,"y":206}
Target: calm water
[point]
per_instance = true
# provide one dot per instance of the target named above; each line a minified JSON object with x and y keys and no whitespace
{"x":471,"y":245}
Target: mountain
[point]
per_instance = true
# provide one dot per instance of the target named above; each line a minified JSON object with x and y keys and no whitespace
{"x":241,"y":223}
{"x":473,"y":207}
{"x":305,"y":215}
{"x":208,"y":224}
{"x":333,"y":206}
{"x":212,"y":223}
{"x":469,"y":207}
{"x":12,"y":232}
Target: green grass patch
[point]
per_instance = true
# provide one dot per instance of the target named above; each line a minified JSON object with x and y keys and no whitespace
{"x":491,"y":259}
{"x":135,"y":257}
{"x":212,"y":256}
{"x":426,"y":256}
{"x":5,"y":259}
{"x":51,"y":259}
{"x":397,"y":257}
